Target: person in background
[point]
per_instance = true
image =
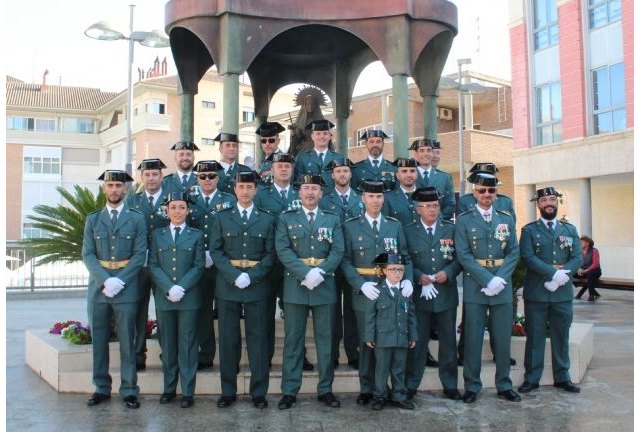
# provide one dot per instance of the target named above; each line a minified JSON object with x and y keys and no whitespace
{"x":590,"y":269}
{"x":184,"y":178}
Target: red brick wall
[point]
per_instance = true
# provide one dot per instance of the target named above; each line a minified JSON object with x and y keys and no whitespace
{"x":520,"y":86}
{"x":627,"y":47}
{"x":574,"y":106}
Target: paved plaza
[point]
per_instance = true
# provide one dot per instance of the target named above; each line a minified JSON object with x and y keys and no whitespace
{"x":605,"y":404}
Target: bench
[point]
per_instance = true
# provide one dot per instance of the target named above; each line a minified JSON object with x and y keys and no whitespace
{"x":607,"y":283}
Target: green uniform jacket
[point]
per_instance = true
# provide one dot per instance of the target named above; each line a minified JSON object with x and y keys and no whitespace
{"x":363,"y":246}
{"x":269,"y":199}
{"x":266,"y":178}
{"x":468,"y":202}
{"x":127,"y":241}
{"x":296,"y":239}
{"x":364,"y":170}
{"x":309,"y":163}
{"x":428,"y":258}
{"x":154,"y":216}
{"x":228,"y":179}
{"x":201,"y":215}
{"x":176,"y":264}
{"x":476,"y":239}
{"x":173,"y":183}
{"x":397,"y":205}
{"x":390,"y":321}
{"x":332,"y":202}
{"x":443,"y":182}
{"x":542,"y":251}
{"x":232,"y":239}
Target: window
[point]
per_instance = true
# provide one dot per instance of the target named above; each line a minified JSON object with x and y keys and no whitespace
{"x":248,"y":116}
{"x":548,"y":113}
{"x":107,"y":156}
{"x":207,"y":141}
{"x":30,"y":231}
{"x":609,"y":100}
{"x":41,"y":165}
{"x":78,"y":125}
{"x":31,"y":124}
{"x":157,"y":108}
{"x":545,"y":25}
{"x":603,"y":12}
{"x":208,"y":104}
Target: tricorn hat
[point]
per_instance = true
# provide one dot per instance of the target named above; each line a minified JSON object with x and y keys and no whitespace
{"x":310,"y":179}
{"x":185,"y":145}
{"x":269,"y":129}
{"x":224,"y":136}
{"x":208,"y":166}
{"x":389,"y":258}
{"x":405,"y":163}
{"x":338,"y":162}
{"x":115,"y":175}
{"x":177,"y":196}
{"x":283,"y":157}
{"x":151,"y":164}
{"x":547,"y":191}
{"x":423,"y":142}
{"x":319,"y":125}
{"x":484,"y":179}
{"x":247,"y":177}
{"x":485,"y":167}
{"x":370,"y":133}
{"x":426,"y":194}
{"x":372,"y":186}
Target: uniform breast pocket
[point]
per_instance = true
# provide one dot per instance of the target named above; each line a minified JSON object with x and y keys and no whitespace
{"x":186,"y":254}
{"x":296,"y":233}
{"x":258,"y":239}
{"x":126,"y":239}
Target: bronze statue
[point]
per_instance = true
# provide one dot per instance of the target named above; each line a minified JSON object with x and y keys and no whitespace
{"x":309,"y":99}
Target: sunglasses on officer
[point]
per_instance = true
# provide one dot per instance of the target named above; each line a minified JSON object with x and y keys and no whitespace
{"x":267,"y":140}
{"x":209,"y":176}
{"x":482,"y":191}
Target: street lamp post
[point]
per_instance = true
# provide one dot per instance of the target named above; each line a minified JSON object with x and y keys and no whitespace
{"x":461,"y":125}
{"x":154,"y":39}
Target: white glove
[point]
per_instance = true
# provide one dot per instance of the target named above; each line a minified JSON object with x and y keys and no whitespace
{"x":429,"y":292}
{"x":242,"y":281}
{"x":108,"y":291}
{"x":489,"y":292}
{"x":407,"y":288}
{"x":175,"y":293}
{"x":112,"y":286}
{"x":208,"y":262}
{"x":369,"y":290}
{"x":560,"y":277}
{"x":552,"y":285}
{"x":119,"y":286}
{"x":313,"y":278}
{"x":496,"y":285}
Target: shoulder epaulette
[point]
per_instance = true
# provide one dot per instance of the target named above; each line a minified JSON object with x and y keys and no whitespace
{"x":531,"y":223}
{"x":504,"y":212}
{"x":446,"y":221}
{"x":167,"y":176}
{"x":265,"y":211}
{"x":134,"y":210}
{"x":290,"y":210}
{"x":392,"y":218}
{"x":465,"y":212}
{"x":566,"y":223}
{"x":96,"y":211}
{"x":352,"y":219}
{"x":328,"y":212}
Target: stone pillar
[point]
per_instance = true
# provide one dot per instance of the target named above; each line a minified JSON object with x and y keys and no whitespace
{"x":230,"y":106}
{"x":186,"y":117}
{"x":342,"y":140}
{"x":430,"y":114}
{"x":584,"y":202}
{"x":259,"y":154}
{"x":384,"y":112}
{"x":400,"y":90}
{"x":532,"y":209}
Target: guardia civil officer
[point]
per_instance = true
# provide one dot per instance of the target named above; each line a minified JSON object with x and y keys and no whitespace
{"x":269,"y":133}
{"x":431,"y":176}
{"x":315,"y":160}
{"x":374,"y":166}
{"x":183,"y":179}
{"x":229,"y":148}
{"x":114,"y":248}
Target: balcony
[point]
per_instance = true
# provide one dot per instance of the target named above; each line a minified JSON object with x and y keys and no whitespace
{"x":146,"y":121}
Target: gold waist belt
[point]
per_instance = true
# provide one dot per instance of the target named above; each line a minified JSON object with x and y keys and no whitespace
{"x":113,"y":265}
{"x":366,"y":271}
{"x":244,"y":263}
{"x":490,"y":262}
{"x":312,"y":262}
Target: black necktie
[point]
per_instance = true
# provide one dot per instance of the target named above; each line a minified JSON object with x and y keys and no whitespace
{"x":175,"y":237}
{"x":550,"y":225}
{"x":311,"y":215}
{"x":184,"y":179}
{"x":375,"y":163}
{"x":430,"y":233}
{"x":245,"y":218}
{"x":151,"y":200}
{"x":375,"y":226}
{"x":426,"y":175}
{"x":283,"y":194}
{"x":487,"y":216}
{"x":321,"y":156}
{"x":114,"y":217}
{"x":408,"y":194}
{"x":345,"y":200}
{"x":206,"y":201}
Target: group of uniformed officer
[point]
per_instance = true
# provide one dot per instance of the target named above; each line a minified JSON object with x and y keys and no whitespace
{"x":308,"y":231}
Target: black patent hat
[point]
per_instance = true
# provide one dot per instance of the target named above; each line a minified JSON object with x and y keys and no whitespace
{"x":319,"y":125}
{"x":405,"y":163}
{"x":151,"y":164}
{"x":372,"y":186}
{"x":389,"y":258}
{"x":115,"y":175}
{"x":208,"y":166}
{"x":177,"y":196}
{"x":547,"y":191}
{"x":338,"y":162}
{"x":484,"y":179}
{"x":426,"y":194}
{"x":371,"y":133}
{"x":269,"y":129}
{"x":283,"y":157}
{"x":247,"y":177}
{"x":424,"y":142}
{"x":223,"y":136}
{"x":485,"y":167}
{"x":185,"y":145}
{"x":310,"y":179}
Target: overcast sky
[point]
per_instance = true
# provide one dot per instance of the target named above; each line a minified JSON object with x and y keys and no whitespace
{"x":49,"y":35}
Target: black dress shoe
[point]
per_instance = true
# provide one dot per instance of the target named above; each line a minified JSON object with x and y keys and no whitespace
{"x":378,"y":404}
{"x":509,"y":395}
{"x":186,"y":402}
{"x":527,"y":387}
{"x":452,"y":394}
{"x":336,"y":363}
{"x":591,"y":298}
{"x":165,"y":398}
{"x":578,"y":297}
{"x":260,"y":402}
{"x":354,"y":363}
{"x":433,"y":334}
{"x":364,"y":398}
{"x":131,"y":402}
{"x":513,"y":361}
{"x":460,"y":361}
{"x":226,"y":401}
{"x":329,"y":400}
{"x":286,"y":402}
{"x":215,"y":314}
{"x":404,"y":404}
{"x":469,"y":397}
{"x":306,"y":365}
{"x":141,"y":365}
{"x":205,"y":365}
{"x":411,"y":393}
{"x":567,"y":386}
{"x":98,"y":398}
{"x":431,"y":362}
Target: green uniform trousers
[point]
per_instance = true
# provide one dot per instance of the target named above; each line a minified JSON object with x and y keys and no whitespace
{"x":230,"y":347}
{"x":124,"y":315}
{"x":295,"y":326}
{"x":390,"y":361}
{"x":501,"y":318}
{"x":366,"y":360}
{"x":206,"y":331}
{"x":447,"y":358}
{"x":559,"y":316}
{"x":179,"y":343}
{"x":345,"y":322}
{"x":142,"y":315}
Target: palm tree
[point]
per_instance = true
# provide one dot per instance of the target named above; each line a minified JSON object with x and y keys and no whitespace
{"x":64,"y":225}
